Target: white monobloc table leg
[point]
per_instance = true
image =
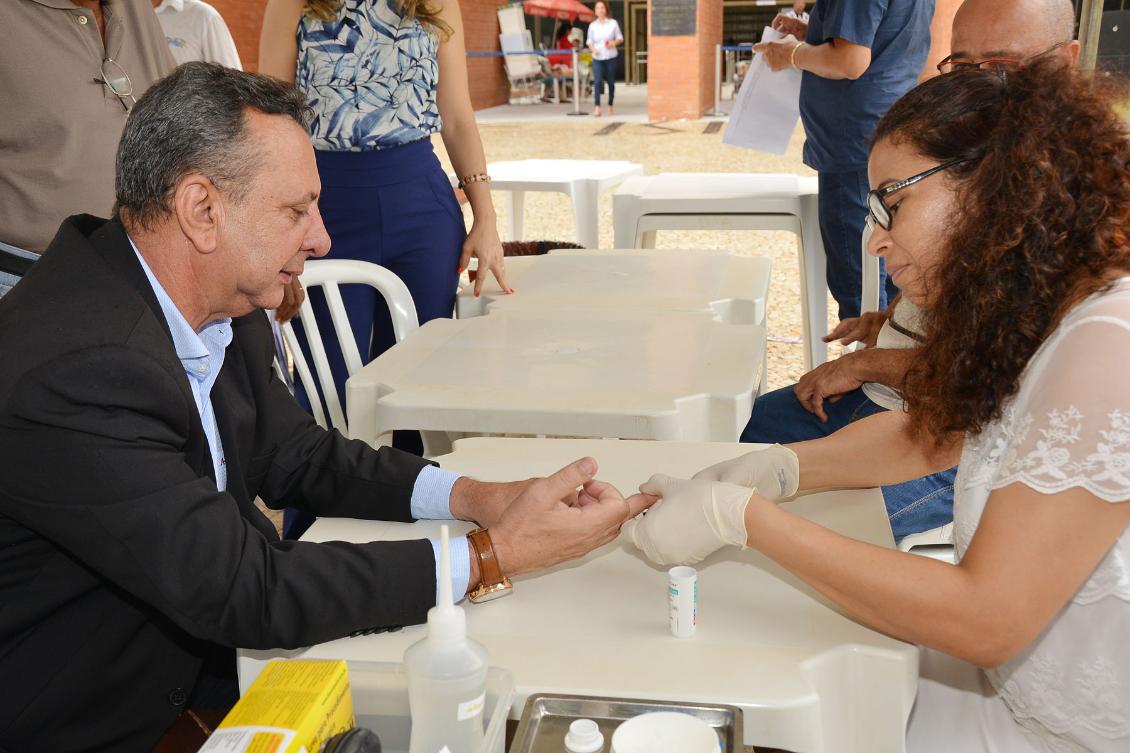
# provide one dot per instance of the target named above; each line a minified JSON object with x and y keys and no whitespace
{"x":517,"y":214}
{"x":584,"y":194}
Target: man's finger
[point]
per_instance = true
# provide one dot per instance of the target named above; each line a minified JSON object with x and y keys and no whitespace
{"x":566,"y":480}
{"x":818,"y":408}
{"x":637,"y":503}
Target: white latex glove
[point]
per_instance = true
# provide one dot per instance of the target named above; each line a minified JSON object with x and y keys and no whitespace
{"x":692,"y":520}
{"x":773,"y":471}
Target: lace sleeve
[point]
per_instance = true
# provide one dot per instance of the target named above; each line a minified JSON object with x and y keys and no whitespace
{"x":1070,"y":424}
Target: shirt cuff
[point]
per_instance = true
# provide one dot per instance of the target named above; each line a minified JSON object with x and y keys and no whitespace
{"x":431,"y":494}
{"x":460,"y":553}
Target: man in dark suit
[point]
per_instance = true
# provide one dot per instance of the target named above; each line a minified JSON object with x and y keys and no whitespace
{"x":140,"y":417}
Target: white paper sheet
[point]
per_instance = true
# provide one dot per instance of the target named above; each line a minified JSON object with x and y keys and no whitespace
{"x":767,"y":109}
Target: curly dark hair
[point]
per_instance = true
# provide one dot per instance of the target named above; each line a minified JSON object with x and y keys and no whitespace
{"x":1042,"y":221}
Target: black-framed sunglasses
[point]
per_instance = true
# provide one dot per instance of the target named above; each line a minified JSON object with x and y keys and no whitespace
{"x":117,"y":80}
{"x":877,"y":210}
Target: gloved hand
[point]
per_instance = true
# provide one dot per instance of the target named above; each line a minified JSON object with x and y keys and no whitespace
{"x":692,"y":520}
{"x":773,"y":471}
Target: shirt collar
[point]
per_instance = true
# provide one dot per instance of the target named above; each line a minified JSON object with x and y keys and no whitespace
{"x":174,"y":5}
{"x":190,"y":346}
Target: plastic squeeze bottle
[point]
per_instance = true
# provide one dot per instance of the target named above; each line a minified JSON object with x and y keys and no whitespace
{"x":447,"y":675}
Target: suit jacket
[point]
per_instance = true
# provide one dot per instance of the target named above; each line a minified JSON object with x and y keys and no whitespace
{"x":121,"y":565}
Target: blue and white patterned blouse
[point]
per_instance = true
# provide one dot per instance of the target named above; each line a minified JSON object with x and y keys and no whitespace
{"x":370,"y":77}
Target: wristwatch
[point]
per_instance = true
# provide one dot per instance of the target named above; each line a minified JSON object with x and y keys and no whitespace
{"x":492,"y":583}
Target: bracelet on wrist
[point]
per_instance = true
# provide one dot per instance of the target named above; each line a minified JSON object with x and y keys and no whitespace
{"x":792,"y":56}
{"x":476,"y":178}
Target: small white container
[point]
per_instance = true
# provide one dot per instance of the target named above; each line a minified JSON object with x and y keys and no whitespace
{"x":665,"y":732}
{"x":584,"y":737}
{"x":682,"y":600}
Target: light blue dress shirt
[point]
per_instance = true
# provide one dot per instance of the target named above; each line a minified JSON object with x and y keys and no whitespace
{"x":202,"y":355}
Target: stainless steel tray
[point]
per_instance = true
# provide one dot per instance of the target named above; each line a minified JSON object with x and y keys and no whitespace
{"x":546,"y":719}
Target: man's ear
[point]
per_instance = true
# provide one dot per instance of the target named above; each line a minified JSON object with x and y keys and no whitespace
{"x":199,"y":210}
{"x":1073,"y":51}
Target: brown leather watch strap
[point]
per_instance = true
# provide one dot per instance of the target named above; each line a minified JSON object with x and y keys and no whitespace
{"x":490,"y":572}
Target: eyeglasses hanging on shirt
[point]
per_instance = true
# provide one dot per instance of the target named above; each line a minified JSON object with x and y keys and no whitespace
{"x":117,"y":81}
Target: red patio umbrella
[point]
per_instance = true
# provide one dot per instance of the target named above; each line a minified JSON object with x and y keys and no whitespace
{"x":562,"y":10}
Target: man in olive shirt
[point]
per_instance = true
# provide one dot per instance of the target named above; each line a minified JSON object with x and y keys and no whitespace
{"x":60,"y":65}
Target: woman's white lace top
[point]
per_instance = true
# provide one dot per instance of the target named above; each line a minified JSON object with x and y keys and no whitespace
{"x":1068,"y":426}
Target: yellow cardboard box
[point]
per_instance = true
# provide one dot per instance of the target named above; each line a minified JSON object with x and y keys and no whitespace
{"x":292,"y":707}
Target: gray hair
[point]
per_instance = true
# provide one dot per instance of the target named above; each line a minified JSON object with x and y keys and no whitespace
{"x":194,"y":121}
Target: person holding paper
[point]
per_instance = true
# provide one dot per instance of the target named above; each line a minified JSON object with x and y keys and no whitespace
{"x":858,"y":57}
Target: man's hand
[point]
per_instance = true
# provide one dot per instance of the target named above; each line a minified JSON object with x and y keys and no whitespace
{"x":778,"y":53}
{"x":773,"y":471}
{"x":828,"y":381}
{"x":863,"y":328}
{"x":550,"y":522}
{"x":484,"y":501}
{"x":293,"y":296}
{"x":693,"y":520}
{"x":789,"y":25}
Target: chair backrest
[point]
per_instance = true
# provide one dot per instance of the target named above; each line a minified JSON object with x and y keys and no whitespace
{"x":14,"y":264}
{"x":330,"y":274}
{"x":519,"y":67}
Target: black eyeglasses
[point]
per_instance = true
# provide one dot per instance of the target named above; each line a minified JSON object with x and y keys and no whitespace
{"x":992,"y":65}
{"x":117,"y":80}
{"x":877,"y":209}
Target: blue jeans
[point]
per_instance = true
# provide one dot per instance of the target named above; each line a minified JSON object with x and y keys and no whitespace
{"x":604,"y":70}
{"x":912,"y":506}
{"x":843,"y":212}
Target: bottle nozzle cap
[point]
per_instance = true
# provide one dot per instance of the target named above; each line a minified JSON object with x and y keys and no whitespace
{"x":584,"y":737}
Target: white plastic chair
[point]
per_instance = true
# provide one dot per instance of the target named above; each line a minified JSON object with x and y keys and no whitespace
{"x":330,"y":274}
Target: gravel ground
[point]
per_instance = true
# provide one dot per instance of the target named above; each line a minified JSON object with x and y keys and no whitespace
{"x":679,"y":146}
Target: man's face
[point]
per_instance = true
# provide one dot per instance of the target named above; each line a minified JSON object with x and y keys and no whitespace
{"x":1012,"y":29}
{"x":266,"y":238}
{"x":798,"y":6}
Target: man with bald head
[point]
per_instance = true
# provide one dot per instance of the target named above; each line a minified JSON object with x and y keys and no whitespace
{"x":1011,"y":31}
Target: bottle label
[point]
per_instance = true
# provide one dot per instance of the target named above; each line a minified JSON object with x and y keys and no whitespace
{"x":473,"y":708}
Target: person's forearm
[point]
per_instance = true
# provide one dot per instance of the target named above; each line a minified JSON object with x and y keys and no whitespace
{"x":883,"y":365}
{"x":836,"y":59}
{"x":874,"y":451}
{"x":916,"y":599}
{"x":465,"y":149}
{"x":278,"y":45}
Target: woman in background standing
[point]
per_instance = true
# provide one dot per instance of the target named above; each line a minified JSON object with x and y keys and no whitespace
{"x":603,"y":38}
{"x":381,"y":76}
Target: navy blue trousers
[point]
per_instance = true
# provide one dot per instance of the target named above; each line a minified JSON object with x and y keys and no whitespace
{"x":392,"y":207}
{"x":604,"y":70}
{"x":843,"y":212}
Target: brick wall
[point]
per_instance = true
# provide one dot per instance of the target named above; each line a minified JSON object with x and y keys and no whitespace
{"x":680,"y":70}
{"x":244,"y":18}
{"x":486,"y":76}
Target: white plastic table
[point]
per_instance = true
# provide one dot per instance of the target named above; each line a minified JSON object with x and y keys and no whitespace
{"x":581,"y":180}
{"x":734,"y":201}
{"x":732,"y":288}
{"x":808,"y":679}
{"x":622,"y":374}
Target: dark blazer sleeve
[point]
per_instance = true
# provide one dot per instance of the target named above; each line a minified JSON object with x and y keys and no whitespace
{"x":125,"y":502}
{"x":295,"y":462}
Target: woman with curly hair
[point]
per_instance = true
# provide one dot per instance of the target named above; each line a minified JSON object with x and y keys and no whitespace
{"x":1002,"y":206}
